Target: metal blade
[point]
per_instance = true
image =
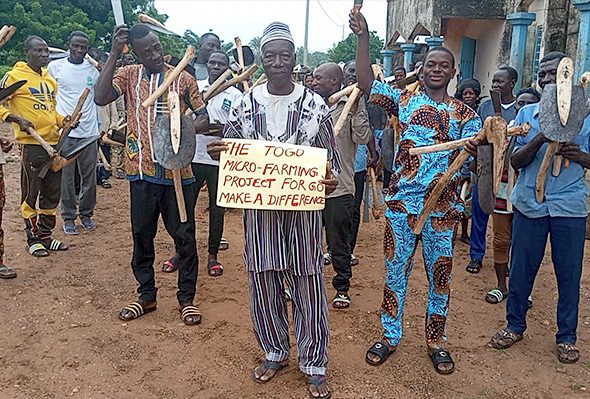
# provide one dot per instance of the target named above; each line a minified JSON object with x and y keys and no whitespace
{"x":496,"y":102}
{"x":565,"y":81}
{"x":8,"y":91}
{"x":118,"y":12}
{"x":163,"y":30}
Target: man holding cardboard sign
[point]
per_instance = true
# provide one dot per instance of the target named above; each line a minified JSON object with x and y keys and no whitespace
{"x":284,"y":246}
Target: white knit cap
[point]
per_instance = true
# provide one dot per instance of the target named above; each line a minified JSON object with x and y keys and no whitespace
{"x":276,"y":31}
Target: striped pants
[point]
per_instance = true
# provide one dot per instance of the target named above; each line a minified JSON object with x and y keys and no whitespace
{"x":268,"y":307}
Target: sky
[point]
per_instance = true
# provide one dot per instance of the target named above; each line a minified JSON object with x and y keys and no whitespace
{"x":248,"y":18}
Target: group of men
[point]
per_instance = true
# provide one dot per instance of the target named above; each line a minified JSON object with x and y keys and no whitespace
{"x":283,"y":249}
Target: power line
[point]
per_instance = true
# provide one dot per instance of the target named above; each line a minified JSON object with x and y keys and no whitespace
{"x":328,"y":15}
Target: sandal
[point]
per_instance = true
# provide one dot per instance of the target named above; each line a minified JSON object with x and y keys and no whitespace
{"x":106,"y":184}
{"x":440,"y":357}
{"x":567,"y":353}
{"x":134,"y":311}
{"x":168,"y":266}
{"x":6,"y":272}
{"x":380,"y":349}
{"x":495,"y":296}
{"x":55,"y":245}
{"x":341,"y":301}
{"x":38,"y":250}
{"x":191,"y":315}
{"x":214,"y":268}
{"x":223,"y":245}
{"x":317,"y":381}
{"x":504,"y":339}
{"x":266,"y":366}
{"x":327,"y":258}
{"x":354,"y":261}
{"x":474,"y":266}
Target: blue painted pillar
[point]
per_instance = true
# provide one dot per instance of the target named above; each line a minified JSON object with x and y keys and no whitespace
{"x":408,"y":49}
{"x":435,"y":41}
{"x":387,"y":61}
{"x":583,"y":52}
{"x":520,"y":22}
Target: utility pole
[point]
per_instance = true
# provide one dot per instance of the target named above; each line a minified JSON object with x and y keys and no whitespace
{"x":305,"y":39}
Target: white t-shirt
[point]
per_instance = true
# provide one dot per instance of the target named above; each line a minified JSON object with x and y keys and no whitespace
{"x":72,"y":79}
{"x":218,"y":109}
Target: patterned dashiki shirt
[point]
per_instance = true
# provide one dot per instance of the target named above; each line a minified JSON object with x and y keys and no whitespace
{"x":283,"y":240}
{"x":422,"y":122}
{"x":136,"y":85}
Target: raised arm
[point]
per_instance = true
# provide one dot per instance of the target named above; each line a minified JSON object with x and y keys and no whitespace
{"x":364,"y":73}
{"x":104,"y":91}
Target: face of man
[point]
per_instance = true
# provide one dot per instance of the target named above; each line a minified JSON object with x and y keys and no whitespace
{"x":309,"y":81}
{"x":37,"y":54}
{"x":78,"y":49}
{"x":208,"y":45}
{"x":150,"y":52}
{"x":547,"y":72}
{"x":469,"y":97}
{"x":278,"y":60}
{"x":350,"y":73}
{"x":502,"y":82}
{"x":438,"y":70}
{"x":323,"y":83}
{"x":525,"y":99}
{"x":216,"y":66}
{"x":399,"y":74}
{"x":127,"y":59}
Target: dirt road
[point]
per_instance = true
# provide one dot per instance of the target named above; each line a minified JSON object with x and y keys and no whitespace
{"x":60,"y":336}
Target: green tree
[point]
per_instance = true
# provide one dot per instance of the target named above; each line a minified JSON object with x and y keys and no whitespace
{"x":346,"y":49}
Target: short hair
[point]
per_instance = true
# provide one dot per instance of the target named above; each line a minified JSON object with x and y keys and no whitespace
{"x":348,"y":64}
{"x":441,"y":49}
{"x":553,"y":55}
{"x":77,"y":33}
{"x":399,"y":68}
{"x":30,"y":39}
{"x":138,"y":31}
{"x":208,"y":34}
{"x":530,"y":90}
{"x":511,"y":72}
{"x":222,"y":53}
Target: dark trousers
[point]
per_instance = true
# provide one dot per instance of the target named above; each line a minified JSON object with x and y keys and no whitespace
{"x":479,"y":226}
{"x":148,"y":202}
{"x":209,"y":173}
{"x":338,"y":222}
{"x":529,"y":239}
{"x":39,"y":222}
{"x":386,"y":178}
{"x":359,"y":192}
{"x":102,"y":174}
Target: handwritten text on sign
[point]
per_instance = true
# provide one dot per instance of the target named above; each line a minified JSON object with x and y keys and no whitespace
{"x":257,"y":174}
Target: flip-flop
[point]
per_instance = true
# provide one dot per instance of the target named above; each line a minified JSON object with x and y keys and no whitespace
{"x":381,"y":350}
{"x":223,"y":245}
{"x":55,"y":245}
{"x":134,"y":311}
{"x":495,"y":296}
{"x":169,"y":267}
{"x":191,"y":315}
{"x":38,"y":250}
{"x":341,"y":301}
{"x":214,"y":268}
{"x":317,"y":381}
{"x":439,"y":357}
{"x":268,"y":365}
{"x":6,"y":272}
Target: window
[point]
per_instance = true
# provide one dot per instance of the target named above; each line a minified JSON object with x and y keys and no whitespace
{"x":537,"y":53}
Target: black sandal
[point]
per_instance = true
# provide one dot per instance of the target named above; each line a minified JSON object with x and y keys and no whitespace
{"x":6,"y":272}
{"x":134,"y":311}
{"x":190,"y":315}
{"x":379,"y":349}
{"x":317,"y":381}
{"x":268,"y":365}
{"x":439,"y":357}
{"x":214,"y":268}
{"x":474,"y":266}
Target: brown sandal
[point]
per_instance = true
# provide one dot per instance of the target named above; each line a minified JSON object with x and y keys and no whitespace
{"x":504,"y":339}
{"x":567,"y":353}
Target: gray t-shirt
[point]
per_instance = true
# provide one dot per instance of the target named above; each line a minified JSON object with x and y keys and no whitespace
{"x":487,"y":109}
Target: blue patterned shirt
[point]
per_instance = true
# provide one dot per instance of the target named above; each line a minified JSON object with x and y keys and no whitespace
{"x":422,"y":122}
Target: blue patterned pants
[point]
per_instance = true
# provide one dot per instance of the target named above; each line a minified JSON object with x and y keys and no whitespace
{"x":400,"y":244}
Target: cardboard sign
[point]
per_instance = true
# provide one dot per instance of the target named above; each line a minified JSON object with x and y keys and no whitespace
{"x":258,"y":174}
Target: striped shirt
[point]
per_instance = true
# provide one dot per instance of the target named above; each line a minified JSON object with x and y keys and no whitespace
{"x":283,"y":240}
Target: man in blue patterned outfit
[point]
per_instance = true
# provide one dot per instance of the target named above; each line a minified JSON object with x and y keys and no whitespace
{"x":427,"y":116}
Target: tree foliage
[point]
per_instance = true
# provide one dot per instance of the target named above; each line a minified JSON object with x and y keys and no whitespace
{"x":346,"y":49}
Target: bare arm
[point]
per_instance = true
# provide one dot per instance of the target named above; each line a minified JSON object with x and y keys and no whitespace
{"x":104,"y":91}
{"x":364,"y":73}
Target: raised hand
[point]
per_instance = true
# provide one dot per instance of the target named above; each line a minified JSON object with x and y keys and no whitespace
{"x":120,"y":39}
{"x":358,"y":24}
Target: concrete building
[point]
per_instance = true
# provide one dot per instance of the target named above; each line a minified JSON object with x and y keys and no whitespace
{"x":486,"y":34}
